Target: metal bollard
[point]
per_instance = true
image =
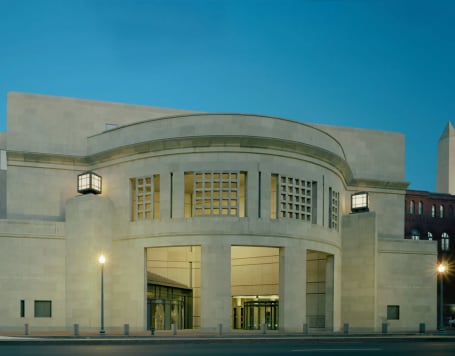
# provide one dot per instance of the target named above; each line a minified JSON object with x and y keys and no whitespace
{"x":422,"y":328}
{"x":26,"y":331}
{"x":152,"y":330}
{"x":384,"y":328}
{"x":346,"y":328}
{"x":220,"y":329}
{"x":126,"y":329}
{"x":174,"y":329}
{"x":76,"y":329}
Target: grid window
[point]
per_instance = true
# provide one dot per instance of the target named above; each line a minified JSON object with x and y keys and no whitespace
{"x":146,"y":197}
{"x":393,"y":312}
{"x":215,"y":193}
{"x":334,"y":206}
{"x":43,"y":308}
{"x":294,"y":198}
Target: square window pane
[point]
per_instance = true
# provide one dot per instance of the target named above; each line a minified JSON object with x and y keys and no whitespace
{"x":393,"y":312}
{"x":43,"y":309}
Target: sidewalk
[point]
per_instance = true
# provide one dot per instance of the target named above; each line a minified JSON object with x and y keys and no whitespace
{"x":112,"y":336}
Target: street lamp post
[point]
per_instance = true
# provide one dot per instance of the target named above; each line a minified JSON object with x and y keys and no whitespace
{"x":102,"y":260}
{"x":441,"y":270}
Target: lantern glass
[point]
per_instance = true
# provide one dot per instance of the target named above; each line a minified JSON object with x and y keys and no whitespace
{"x":89,"y":182}
{"x":359,"y":202}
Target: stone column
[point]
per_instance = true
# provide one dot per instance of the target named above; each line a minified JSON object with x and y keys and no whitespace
{"x":359,"y":272}
{"x":165,"y":195}
{"x":329,"y":291}
{"x":253,"y":191}
{"x":89,"y":220}
{"x":178,"y":195}
{"x":292,"y":287}
{"x":265,"y":194}
{"x":215,"y":286}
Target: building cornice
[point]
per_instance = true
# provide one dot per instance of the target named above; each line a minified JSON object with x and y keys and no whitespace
{"x":228,"y":143}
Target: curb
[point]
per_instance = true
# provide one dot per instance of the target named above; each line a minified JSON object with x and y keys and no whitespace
{"x":220,"y":339}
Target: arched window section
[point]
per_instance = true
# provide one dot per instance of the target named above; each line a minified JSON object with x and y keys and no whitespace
{"x":415,"y":234}
{"x":441,"y":211}
{"x":430,"y":236}
{"x":411,"y":207}
{"x":433,"y":211}
{"x":445,"y":241}
{"x":420,"y":208}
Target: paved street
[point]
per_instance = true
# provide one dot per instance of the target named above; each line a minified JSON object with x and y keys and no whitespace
{"x":436,"y":347}
{"x":250,"y":347}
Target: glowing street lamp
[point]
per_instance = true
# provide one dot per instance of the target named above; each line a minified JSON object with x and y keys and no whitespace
{"x":102,"y":260}
{"x":442,"y":269}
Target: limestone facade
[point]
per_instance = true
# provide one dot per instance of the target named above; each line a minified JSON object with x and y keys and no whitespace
{"x":245,"y":212}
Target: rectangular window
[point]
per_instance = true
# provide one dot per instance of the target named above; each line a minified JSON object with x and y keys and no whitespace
{"x":314,"y":202}
{"x":274,"y":197}
{"x":291,"y":198}
{"x":334,"y":205}
{"x":43,"y":309}
{"x":22,"y":308}
{"x":146,"y":197}
{"x":393,"y":312}
{"x":215,"y":193}
{"x":445,"y":242}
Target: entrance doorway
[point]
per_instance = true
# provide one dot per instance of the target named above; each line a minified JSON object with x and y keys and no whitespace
{"x":259,"y":312}
{"x":254,"y":286}
{"x":162,"y":313}
{"x":173,"y":287}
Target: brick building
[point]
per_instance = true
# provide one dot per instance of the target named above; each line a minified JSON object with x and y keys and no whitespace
{"x":431,"y":216}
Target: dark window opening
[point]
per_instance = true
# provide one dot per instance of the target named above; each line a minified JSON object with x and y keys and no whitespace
{"x":393,"y":312}
{"x":22,"y":308}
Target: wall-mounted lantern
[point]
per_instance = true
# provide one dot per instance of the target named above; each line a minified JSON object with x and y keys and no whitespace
{"x":89,"y":182}
{"x":359,"y":202}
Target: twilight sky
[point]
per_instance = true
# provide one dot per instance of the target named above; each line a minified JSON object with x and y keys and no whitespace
{"x":375,"y":64}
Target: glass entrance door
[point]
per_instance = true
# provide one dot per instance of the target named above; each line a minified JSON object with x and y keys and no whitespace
{"x":163,"y":313}
{"x":261,"y":312}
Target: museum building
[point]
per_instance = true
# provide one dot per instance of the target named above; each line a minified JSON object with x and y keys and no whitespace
{"x":205,"y":220}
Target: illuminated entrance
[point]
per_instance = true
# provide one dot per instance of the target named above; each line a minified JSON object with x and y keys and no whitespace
{"x":173,"y":287}
{"x":254,"y":287}
{"x":168,"y":305}
{"x":259,"y":312}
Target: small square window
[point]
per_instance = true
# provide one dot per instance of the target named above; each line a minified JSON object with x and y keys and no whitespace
{"x":393,"y":312}
{"x":43,"y":309}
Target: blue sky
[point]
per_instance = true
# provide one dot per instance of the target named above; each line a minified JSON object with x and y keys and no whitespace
{"x":384,"y":65}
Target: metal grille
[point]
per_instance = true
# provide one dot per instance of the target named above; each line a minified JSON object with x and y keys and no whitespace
{"x":216,"y":193}
{"x":144,"y":197}
{"x":334,"y":207}
{"x":295,"y":198}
